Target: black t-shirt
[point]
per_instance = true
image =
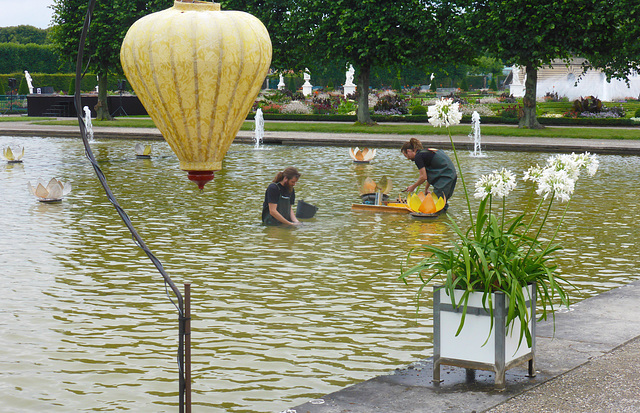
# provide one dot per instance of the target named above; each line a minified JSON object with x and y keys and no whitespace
{"x":423,"y":158}
{"x":272,"y":196}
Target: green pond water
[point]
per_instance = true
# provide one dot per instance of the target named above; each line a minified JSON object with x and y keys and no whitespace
{"x":280,"y":316}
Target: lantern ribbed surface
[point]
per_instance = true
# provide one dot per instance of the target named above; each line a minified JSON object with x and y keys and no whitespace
{"x":197,"y":70}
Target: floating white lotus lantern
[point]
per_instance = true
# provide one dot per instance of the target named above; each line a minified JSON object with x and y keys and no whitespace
{"x":143,"y":151}
{"x":8,"y":154}
{"x":54,"y":191}
{"x":364,"y":155}
{"x":197,"y":70}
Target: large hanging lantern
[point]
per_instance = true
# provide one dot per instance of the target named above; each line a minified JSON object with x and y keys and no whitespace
{"x":197,"y":70}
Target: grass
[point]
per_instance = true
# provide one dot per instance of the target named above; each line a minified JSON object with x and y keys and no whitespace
{"x":389,"y":128}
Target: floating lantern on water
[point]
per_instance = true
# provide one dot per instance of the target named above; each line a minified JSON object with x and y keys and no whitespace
{"x":8,"y":154}
{"x":54,"y":191}
{"x":375,"y":193}
{"x":364,"y":155}
{"x":425,"y":204}
{"x":143,"y":151}
{"x":197,"y":70}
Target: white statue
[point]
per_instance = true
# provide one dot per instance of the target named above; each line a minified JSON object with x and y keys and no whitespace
{"x":281,"y":84}
{"x":349,"y":87}
{"x":28,"y":77}
{"x":350,"y":74}
{"x":516,"y":88}
{"x":515,"y":70}
{"x":307,"y":88}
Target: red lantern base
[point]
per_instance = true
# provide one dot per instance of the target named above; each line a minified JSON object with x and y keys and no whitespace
{"x":200,"y":177}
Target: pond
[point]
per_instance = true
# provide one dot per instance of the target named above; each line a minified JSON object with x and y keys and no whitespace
{"x":280,"y":316}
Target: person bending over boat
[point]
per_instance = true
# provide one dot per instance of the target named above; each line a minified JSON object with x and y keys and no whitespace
{"x":279,"y":199}
{"x":435,"y":167}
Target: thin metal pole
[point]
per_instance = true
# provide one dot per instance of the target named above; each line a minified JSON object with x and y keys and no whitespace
{"x":121,"y":212}
{"x":187,"y":345}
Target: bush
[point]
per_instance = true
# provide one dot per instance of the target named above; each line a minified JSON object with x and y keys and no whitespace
{"x":506,"y":98}
{"x":637,"y":114}
{"x":347,"y":107}
{"x":272,"y":108}
{"x":512,"y":111}
{"x":389,"y":104}
{"x":296,"y":106}
{"x":483,"y":110}
{"x":493,"y":85}
{"x":418,"y":110}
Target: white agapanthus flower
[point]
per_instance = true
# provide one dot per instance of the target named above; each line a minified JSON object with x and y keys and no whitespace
{"x":557,"y":183}
{"x":559,"y":176}
{"x":444,"y":113}
{"x":497,"y":184}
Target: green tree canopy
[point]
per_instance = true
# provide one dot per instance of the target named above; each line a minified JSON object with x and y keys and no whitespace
{"x":532,"y":33}
{"x":23,"y":34}
{"x":377,"y":33}
{"x":110,"y":21}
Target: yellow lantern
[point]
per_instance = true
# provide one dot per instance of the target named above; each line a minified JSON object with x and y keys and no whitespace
{"x":197,"y":70}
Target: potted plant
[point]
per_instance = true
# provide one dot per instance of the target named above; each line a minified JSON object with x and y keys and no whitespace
{"x":496,"y":269}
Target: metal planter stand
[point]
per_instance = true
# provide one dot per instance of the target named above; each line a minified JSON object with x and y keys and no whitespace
{"x":474,"y":348}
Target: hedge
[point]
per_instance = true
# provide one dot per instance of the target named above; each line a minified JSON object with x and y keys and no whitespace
{"x":60,"y":82}
{"x":18,"y":57}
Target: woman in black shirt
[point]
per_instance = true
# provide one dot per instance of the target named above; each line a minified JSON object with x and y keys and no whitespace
{"x":435,"y":167}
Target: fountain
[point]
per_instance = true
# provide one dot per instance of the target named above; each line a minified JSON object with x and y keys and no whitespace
{"x":87,"y":122}
{"x":27,"y":76}
{"x":259,"y":129}
{"x":475,"y":134}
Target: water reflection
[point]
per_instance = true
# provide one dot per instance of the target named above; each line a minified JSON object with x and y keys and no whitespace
{"x":281,"y":315}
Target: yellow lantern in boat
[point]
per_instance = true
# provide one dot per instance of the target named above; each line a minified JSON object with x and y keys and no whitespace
{"x":197,"y":70}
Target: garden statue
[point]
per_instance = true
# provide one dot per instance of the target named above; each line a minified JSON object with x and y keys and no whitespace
{"x":349,"y":87}
{"x":307,"y":87}
{"x":281,"y":84}
{"x":516,"y":88}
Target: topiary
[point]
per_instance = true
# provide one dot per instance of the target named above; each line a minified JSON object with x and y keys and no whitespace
{"x":493,"y":86}
{"x":637,"y":114}
{"x":72,"y":87}
{"x":396,"y":85}
{"x":418,"y":110}
{"x":23,"y":89}
{"x":464,"y":84}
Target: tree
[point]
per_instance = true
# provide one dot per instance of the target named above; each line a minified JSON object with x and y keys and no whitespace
{"x":110,"y":21}
{"x":278,"y":16}
{"x":533,"y":33}
{"x":23,"y":34}
{"x":377,"y":33}
{"x":616,"y":50}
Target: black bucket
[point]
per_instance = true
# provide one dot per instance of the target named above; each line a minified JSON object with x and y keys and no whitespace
{"x":305,"y":210}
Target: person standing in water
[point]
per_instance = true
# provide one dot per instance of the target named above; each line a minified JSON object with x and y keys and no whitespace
{"x":435,"y":167}
{"x":279,"y":199}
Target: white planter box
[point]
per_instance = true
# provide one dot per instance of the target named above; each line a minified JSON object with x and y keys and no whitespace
{"x":475,"y":347}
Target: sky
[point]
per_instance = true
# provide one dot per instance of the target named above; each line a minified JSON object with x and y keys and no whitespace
{"x":32,"y":12}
